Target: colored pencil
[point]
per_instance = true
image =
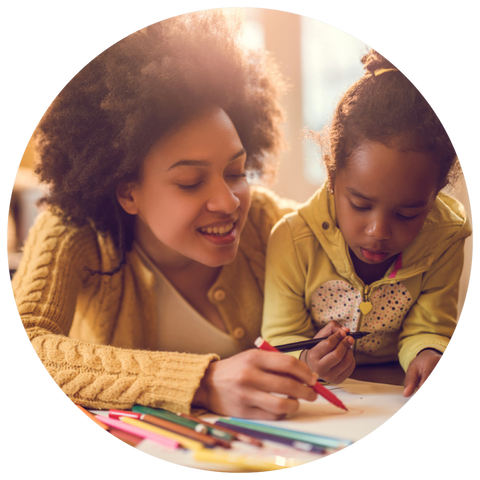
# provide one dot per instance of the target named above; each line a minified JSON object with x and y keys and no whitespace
{"x":135,"y":430}
{"x":295,"y":346}
{"x":299,"y":445}
{"x":185,"y":442}
{"x":190,"y":422}
{"x":319,"y":388}
{"x":236,"y":435}
{"x":171,"y":426}
{"x":315,"y":439}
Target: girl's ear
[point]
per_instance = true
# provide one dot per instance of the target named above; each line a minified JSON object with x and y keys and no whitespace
{"x":125,"y":197}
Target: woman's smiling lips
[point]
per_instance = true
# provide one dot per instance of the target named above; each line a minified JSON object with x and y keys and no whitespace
{"x":220,"y":234}
{"x":373,"y":256}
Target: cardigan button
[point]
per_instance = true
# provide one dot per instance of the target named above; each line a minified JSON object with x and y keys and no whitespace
{"x":239,"y":333}
{"x":325,"y":225}
{"x":219,"y":295}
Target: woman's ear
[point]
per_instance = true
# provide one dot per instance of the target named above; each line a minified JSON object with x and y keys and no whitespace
{"x":125,"y":197}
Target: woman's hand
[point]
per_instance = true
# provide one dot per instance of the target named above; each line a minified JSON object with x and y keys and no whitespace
{"x":245,"y":385}
{"x":419,"y":370}
{"x":332,"y":359}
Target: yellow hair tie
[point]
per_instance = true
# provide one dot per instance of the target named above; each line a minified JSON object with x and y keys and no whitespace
{"x":383,"y":70}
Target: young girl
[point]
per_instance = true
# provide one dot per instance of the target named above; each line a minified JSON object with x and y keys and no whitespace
{"x":378,"y":248}
{"x":143,"y":281}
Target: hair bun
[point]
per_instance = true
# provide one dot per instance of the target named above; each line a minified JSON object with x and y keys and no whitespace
{"x":373,"y":61}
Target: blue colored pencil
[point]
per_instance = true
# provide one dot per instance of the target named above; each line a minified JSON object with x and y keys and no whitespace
{"x":304,"y":446}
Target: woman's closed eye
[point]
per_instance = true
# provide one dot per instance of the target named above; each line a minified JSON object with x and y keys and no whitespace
{"x":237,"y":175}
{"x":192,"y":186}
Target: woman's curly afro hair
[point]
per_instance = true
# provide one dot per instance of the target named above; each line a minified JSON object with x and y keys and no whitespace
{"x":99,"y":129}
{"x":387,"y":109}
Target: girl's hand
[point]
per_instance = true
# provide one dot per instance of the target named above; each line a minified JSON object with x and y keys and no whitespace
{"x":332,"y":359}
{"x":244,"y":385}
{"x":419,"y":370}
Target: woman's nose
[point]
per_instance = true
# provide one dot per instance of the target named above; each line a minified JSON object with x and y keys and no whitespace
{"x":379,"y":229}
{"x":223,"y":199}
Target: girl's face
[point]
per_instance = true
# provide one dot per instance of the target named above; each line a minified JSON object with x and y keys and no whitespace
{"x":193,"y":199}
{"x":382,"y":198}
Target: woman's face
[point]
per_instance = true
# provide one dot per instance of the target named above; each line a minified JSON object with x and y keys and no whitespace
{"x":193,"y":199}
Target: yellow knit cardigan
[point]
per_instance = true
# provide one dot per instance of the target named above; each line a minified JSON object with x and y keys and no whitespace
{"x":96,"y":334}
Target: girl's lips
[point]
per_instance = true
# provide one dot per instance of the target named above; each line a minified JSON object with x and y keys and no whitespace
{"x":376,"y":257}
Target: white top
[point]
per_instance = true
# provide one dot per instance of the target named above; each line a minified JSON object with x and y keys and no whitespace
{"x":180,"y":327}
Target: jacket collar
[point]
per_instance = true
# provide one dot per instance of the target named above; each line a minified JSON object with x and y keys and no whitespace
{"x":446,"y":224}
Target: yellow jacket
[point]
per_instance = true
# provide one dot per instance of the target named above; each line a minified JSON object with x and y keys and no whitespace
{"x":310,"y":280}
{"x":95,"y":334}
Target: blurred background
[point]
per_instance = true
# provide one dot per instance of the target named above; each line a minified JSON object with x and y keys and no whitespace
{"x":320,"y":62}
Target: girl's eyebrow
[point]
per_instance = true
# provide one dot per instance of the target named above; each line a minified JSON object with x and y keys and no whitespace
{"x":202,"y":163}
{"x":357,"y":194}
{"x":419,"y":204}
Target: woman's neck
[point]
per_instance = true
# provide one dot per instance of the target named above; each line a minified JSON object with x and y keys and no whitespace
{"x":193,"y":282}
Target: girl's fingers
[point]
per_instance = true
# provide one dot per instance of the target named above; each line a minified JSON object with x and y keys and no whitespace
{"x":329,"y":329}
{"x":327,"y":346}
{"x":336,"y":365}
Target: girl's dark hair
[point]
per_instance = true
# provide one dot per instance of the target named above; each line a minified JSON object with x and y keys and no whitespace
{"x":99,"y":129}
{"x":388,"y":109}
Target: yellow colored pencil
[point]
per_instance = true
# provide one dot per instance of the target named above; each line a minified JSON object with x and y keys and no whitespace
{"x":245,"y":461}
{"x":184,"y":441}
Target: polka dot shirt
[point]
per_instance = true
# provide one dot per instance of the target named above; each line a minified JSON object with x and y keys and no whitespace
{"x":338,"y":300}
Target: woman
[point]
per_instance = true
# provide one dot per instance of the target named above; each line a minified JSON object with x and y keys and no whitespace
{"x":143,"y":282}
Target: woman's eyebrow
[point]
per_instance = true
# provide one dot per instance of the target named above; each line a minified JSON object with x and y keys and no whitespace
{"x":189,"y":163}
{"x":202,"y":163}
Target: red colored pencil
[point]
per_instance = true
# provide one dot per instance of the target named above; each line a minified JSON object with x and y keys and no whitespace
{"x":319,"y":388}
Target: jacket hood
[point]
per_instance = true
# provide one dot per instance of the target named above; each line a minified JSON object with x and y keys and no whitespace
{"x":446,"y":224}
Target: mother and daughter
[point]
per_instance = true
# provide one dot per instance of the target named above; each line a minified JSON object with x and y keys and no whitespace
{"x":144,"y":280}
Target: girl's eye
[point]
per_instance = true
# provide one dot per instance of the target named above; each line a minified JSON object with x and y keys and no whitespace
{"x":360,"y":209}
{"x":404,"y":217}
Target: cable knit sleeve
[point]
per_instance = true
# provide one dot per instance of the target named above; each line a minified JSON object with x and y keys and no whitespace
{"x":46,"y":288}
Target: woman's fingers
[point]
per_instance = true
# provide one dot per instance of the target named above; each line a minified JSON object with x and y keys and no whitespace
{"x":256,"y":384}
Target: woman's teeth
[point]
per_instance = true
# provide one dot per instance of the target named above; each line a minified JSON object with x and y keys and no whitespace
{"x":217,"y":230}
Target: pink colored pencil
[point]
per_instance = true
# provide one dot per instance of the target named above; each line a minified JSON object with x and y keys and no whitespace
{"x":140,"y":432}
{"x":319,"y":388}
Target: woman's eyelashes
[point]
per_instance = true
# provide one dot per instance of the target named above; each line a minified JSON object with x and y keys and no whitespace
{"x":398,"y":215}
{"x":189,"y":187}
{"x":195,"y":185}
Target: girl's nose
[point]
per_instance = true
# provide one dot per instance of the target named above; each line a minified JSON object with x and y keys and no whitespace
{"x":223,"y":199}
{"x":379,"y":229}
